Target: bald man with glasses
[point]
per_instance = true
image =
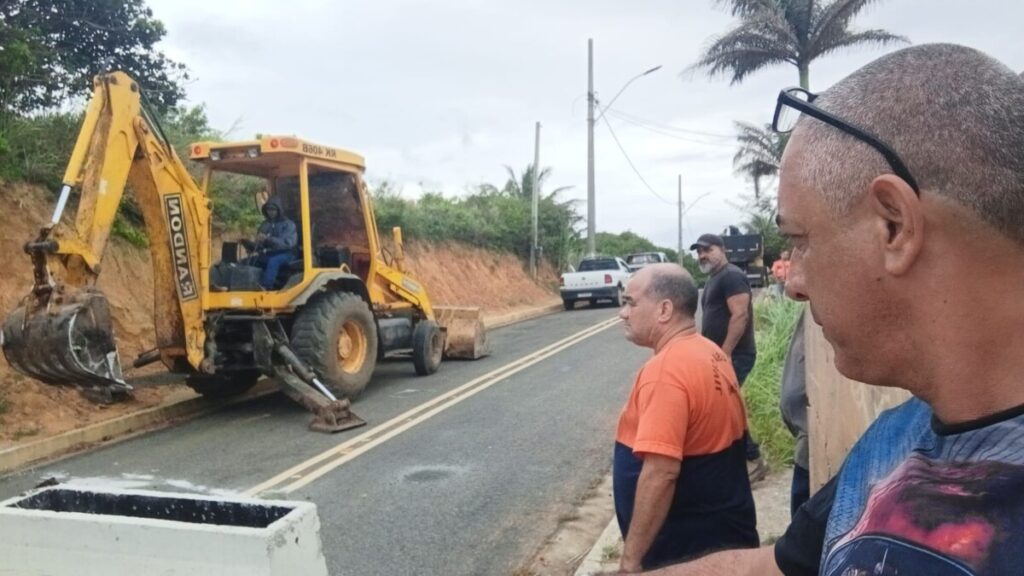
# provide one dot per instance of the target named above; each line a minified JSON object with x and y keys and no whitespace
{"x":902,"y":193}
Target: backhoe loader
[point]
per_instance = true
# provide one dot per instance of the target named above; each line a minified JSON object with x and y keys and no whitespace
{"x":339,"y":304}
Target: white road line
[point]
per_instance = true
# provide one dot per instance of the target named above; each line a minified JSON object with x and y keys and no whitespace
{"x":305,"y":472}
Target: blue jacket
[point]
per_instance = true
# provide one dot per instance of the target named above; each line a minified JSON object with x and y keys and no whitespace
{"x":280,"y":233}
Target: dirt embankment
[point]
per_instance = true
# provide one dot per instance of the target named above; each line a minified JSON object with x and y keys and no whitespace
{"x":454,"y":274}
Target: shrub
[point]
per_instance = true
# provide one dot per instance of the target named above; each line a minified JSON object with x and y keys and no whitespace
{"x":133,"y":234}
{"x":774,"y":322}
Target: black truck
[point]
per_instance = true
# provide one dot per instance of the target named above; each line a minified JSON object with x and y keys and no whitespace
{"x":746,"y":251}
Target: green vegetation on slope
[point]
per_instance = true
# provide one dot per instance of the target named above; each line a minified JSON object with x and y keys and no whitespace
{"x":489,"y":217}
{"x":774,"y":321}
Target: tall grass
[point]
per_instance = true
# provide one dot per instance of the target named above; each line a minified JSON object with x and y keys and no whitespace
{"x":774,"y":321}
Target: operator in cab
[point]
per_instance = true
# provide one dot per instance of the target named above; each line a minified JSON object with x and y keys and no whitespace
{"x":276,"y":240}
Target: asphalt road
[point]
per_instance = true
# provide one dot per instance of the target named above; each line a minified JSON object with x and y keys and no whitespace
{"x":486,"y":458}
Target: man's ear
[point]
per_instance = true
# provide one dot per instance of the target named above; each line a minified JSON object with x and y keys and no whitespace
{"x":900,"y":216}
{"x":665,"y":310}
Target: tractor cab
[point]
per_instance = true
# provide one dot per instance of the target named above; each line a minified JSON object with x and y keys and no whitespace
{"x":319,"y":189}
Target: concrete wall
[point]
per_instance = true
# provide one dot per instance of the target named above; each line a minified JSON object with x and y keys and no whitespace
{"x":100,"y":542}
{"x":840,"y":408}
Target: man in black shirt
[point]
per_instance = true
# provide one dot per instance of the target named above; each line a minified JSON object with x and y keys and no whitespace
{"x":728,"y":320}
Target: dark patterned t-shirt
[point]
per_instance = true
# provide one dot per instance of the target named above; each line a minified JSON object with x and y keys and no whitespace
{"x":918,"y":497}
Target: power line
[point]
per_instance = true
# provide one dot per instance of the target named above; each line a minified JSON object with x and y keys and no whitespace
{"x":671,"y":128}
{"x":674,"y":136}
{"x":670,"y":135}
{"x":631,"y":165}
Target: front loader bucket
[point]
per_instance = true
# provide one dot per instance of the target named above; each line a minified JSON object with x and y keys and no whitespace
{"x":69,"y":341}
{"x":467,"y":336}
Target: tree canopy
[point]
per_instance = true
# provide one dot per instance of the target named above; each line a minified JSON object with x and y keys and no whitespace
{"x":794,"y":32}
{"x":51,"y":49}
{"x":491,"y":217}
{"x":759,"y":153}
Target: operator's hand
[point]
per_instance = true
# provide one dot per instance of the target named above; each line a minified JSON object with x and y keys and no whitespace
{"x":249,"y":245}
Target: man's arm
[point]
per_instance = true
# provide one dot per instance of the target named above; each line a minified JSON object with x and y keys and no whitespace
{"x":752,"y":562}
{"x":290,"y":237}
{"x":798,"y":550}
{"x":739,"y":316}
{"x":654,"y":492}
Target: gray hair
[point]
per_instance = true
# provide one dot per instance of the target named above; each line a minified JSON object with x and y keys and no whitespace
{"x":953,"y":114}
{"x":673,"y":283}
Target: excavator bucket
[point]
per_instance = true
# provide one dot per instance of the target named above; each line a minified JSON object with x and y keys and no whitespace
{"x":467,"y":336}
{"x":66,"y":341}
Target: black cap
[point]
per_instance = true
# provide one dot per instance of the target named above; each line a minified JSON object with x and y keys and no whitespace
{"x":707,"y":241}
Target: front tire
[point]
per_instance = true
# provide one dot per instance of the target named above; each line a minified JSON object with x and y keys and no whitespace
{"x":427,"y":347}
{"x":569,"y":304}
{"x":336,"y":335}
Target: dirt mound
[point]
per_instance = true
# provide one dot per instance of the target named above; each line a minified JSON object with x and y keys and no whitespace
{"x":453,"y":274}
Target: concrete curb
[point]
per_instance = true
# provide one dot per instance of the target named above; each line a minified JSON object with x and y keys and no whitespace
{"x":521,"y":316}
{"x":597,"y":560}
{"x":184,"y":406}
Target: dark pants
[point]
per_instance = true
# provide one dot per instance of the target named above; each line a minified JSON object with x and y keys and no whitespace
{"x":271,"y":265}
{"x":800,"y":491}
{"x":743,"y":364}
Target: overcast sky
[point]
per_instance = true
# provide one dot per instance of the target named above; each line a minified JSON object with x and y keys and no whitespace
{"x":440,"y":95}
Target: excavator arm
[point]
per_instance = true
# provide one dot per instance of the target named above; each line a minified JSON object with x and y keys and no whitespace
{"x":63,"y":332}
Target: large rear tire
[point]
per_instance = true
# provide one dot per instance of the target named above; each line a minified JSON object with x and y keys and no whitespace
{"x":336,"y":335}
{"x":427,"y":347}
{"x":223,"y":385}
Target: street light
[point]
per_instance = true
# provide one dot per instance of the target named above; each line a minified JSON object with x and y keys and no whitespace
{"x":684,"y":212}
{"x":591,"y":101}
{"x":623,"y":89}
{"x":694,"y":203}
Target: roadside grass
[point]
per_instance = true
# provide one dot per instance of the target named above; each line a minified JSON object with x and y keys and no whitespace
{"x":774,"y":321}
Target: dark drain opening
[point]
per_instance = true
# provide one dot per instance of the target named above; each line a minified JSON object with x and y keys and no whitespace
{"x":155,"y":508}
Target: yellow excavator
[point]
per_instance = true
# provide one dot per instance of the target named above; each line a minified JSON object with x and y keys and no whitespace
{"x":339,"y":302}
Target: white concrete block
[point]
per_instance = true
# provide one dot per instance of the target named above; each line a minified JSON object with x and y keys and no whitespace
{"x":61,"y":531}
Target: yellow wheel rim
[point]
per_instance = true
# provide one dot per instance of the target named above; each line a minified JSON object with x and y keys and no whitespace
{"x":352,"y":347}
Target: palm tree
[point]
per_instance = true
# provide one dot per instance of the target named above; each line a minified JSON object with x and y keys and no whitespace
{"x":521,"y":185}
{"x":759,"y":153}
{"x":793,"y":32}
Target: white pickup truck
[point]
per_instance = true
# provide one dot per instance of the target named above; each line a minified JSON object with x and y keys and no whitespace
{"x":641,"y":259}
{"x":597,"y":278}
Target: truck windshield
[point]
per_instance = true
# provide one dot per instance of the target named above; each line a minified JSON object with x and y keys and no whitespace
{"x":641,"y":259}
{"x":591,"y":265}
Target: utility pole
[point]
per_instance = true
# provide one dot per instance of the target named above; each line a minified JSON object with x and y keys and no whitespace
{"x":680,"y":219}
{"x":591,"y":211}
{"x":536,"y":195}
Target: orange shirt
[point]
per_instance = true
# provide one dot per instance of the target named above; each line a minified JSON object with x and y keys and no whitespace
{"x":685,"y":402}
{"x":780,"y":269}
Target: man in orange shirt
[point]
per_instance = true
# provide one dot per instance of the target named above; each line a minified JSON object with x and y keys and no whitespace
{"x":680,"y":472}
{"x":780,"y":271}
